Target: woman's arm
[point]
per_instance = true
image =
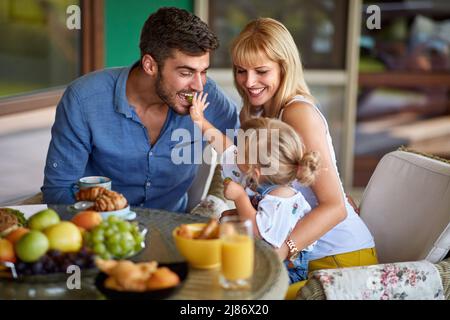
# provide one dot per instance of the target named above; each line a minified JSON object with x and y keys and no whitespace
{"x":331,"y":209}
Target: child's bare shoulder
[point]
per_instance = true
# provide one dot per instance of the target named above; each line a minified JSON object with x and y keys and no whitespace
{"x":282,"y":192}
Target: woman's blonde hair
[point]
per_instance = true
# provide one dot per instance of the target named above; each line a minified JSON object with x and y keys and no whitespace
{"x":266,"y":37}
{"x":287,"y":152}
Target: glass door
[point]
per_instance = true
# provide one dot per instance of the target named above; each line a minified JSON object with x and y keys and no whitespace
{"x":320,"y":30}
{"x":404,"y":83}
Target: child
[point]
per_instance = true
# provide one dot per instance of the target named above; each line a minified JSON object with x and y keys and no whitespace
{"x":264,"y":197}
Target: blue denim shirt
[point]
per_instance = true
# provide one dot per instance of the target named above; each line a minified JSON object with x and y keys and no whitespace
{"x":97,"y":132}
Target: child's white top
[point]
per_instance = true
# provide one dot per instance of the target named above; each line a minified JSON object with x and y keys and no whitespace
{"x":275,"y":216}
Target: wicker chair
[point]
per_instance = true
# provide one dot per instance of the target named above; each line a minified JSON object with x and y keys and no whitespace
{"x":313,"y":289}
{"x":406,"y":206}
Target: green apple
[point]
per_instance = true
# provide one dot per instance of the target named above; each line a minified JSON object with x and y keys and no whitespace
{"x":64,"y":236}
{"x":32,"y":246}
{"x":43,"y":219}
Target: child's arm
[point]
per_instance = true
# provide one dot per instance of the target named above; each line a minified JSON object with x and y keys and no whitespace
{"x":217,"y":139}
{"x":235,"y":192}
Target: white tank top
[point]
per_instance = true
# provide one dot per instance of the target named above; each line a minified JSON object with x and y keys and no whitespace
{"x":349,"y":235}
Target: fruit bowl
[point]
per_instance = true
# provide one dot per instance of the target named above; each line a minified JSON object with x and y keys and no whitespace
{"x":180,"y":268}
{"x":52,"y":278}
{"x":51,"y":268}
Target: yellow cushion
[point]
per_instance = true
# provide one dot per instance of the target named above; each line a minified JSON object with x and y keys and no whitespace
{"x":363,"y":257}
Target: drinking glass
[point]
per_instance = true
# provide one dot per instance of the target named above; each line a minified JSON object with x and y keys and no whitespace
{"x":238,"y":251}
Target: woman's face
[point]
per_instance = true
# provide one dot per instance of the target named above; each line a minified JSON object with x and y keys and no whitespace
{"x":259,"y":82}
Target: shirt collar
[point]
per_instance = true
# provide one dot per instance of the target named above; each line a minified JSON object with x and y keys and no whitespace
{"x":120,"y":95}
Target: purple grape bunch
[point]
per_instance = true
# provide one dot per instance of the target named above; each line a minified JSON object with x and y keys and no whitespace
{"x":56,"y":261}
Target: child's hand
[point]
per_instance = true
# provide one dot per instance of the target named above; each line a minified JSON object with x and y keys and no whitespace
{"x":227,"y":213}
{"x":233,"y":190}
{"x":199,"y":105}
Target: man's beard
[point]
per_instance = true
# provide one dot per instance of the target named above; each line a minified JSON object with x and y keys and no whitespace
{"x":165,"y":96}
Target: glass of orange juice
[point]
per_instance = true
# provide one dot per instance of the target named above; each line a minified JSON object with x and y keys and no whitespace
{"x":238,"y":251}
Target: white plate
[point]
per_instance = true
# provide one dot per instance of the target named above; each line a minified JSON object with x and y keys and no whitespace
{"x":129,"y":215}
{"x":124,"y":213}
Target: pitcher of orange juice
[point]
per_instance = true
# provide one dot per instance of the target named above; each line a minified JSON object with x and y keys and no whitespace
{"x":237,"y":253}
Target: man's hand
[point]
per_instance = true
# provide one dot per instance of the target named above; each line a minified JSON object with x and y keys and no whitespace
{"x":233,"y":190}
{"x":199,"y":105}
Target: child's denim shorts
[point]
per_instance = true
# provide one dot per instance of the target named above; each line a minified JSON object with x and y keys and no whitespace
{"x":298,"y":270}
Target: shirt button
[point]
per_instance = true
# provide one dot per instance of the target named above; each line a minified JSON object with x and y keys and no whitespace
{"x":148,"y":184}
{"x":55,"y":164}
{"x":150,"y":153}
{"x":141,"y":204}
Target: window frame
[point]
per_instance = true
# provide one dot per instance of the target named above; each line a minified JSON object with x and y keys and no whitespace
{"x":92,"y":58}
{"x":346,"y":77}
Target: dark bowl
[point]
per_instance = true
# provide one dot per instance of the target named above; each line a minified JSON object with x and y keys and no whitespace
{"x":180,"y":268}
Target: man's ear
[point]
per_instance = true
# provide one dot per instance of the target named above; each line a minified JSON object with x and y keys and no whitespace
{"x":149,"y":65}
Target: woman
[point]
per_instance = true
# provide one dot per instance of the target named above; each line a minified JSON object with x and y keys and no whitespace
{"x":268,"y":75}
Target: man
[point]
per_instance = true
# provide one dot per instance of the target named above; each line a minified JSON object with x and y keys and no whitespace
{"x":120,"y":122}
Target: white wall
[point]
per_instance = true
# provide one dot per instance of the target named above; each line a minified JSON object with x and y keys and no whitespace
{"x":24,"y":140}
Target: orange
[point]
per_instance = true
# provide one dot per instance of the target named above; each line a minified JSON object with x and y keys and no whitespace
{"x":15,"y":235}
{"x":7,"y":251}
{"x":87,"y":219}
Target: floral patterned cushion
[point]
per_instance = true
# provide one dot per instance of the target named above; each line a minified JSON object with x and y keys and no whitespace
{"x":418,"y":280}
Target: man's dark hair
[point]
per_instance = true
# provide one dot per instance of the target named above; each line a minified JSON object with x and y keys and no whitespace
{"x":173,"y":28}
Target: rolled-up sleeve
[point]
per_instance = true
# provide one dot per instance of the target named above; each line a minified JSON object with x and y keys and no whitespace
{"x":68,"y":152}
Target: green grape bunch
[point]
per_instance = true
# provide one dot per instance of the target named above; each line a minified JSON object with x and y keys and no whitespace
{"x":115,"y":238}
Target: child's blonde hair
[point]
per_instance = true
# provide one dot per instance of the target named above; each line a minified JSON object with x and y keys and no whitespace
{"x":269,"y":38}
{"x":294,"y":163}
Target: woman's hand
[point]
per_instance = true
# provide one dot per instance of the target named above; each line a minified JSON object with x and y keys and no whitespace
{"x":283,"y":251}
{"x":232,"y":190}
{"x":199,"y":105}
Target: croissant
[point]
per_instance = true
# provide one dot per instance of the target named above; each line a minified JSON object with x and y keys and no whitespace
{"x":90,"y":194}
{"x":110,"y":201}
{"x":185,"y":232}
{"x":104,"y":200}
{"x":125,"y":275}
{"x":210,"y":231}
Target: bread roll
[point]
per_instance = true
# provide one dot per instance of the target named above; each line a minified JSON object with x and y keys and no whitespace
{"x":162,"y":278}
